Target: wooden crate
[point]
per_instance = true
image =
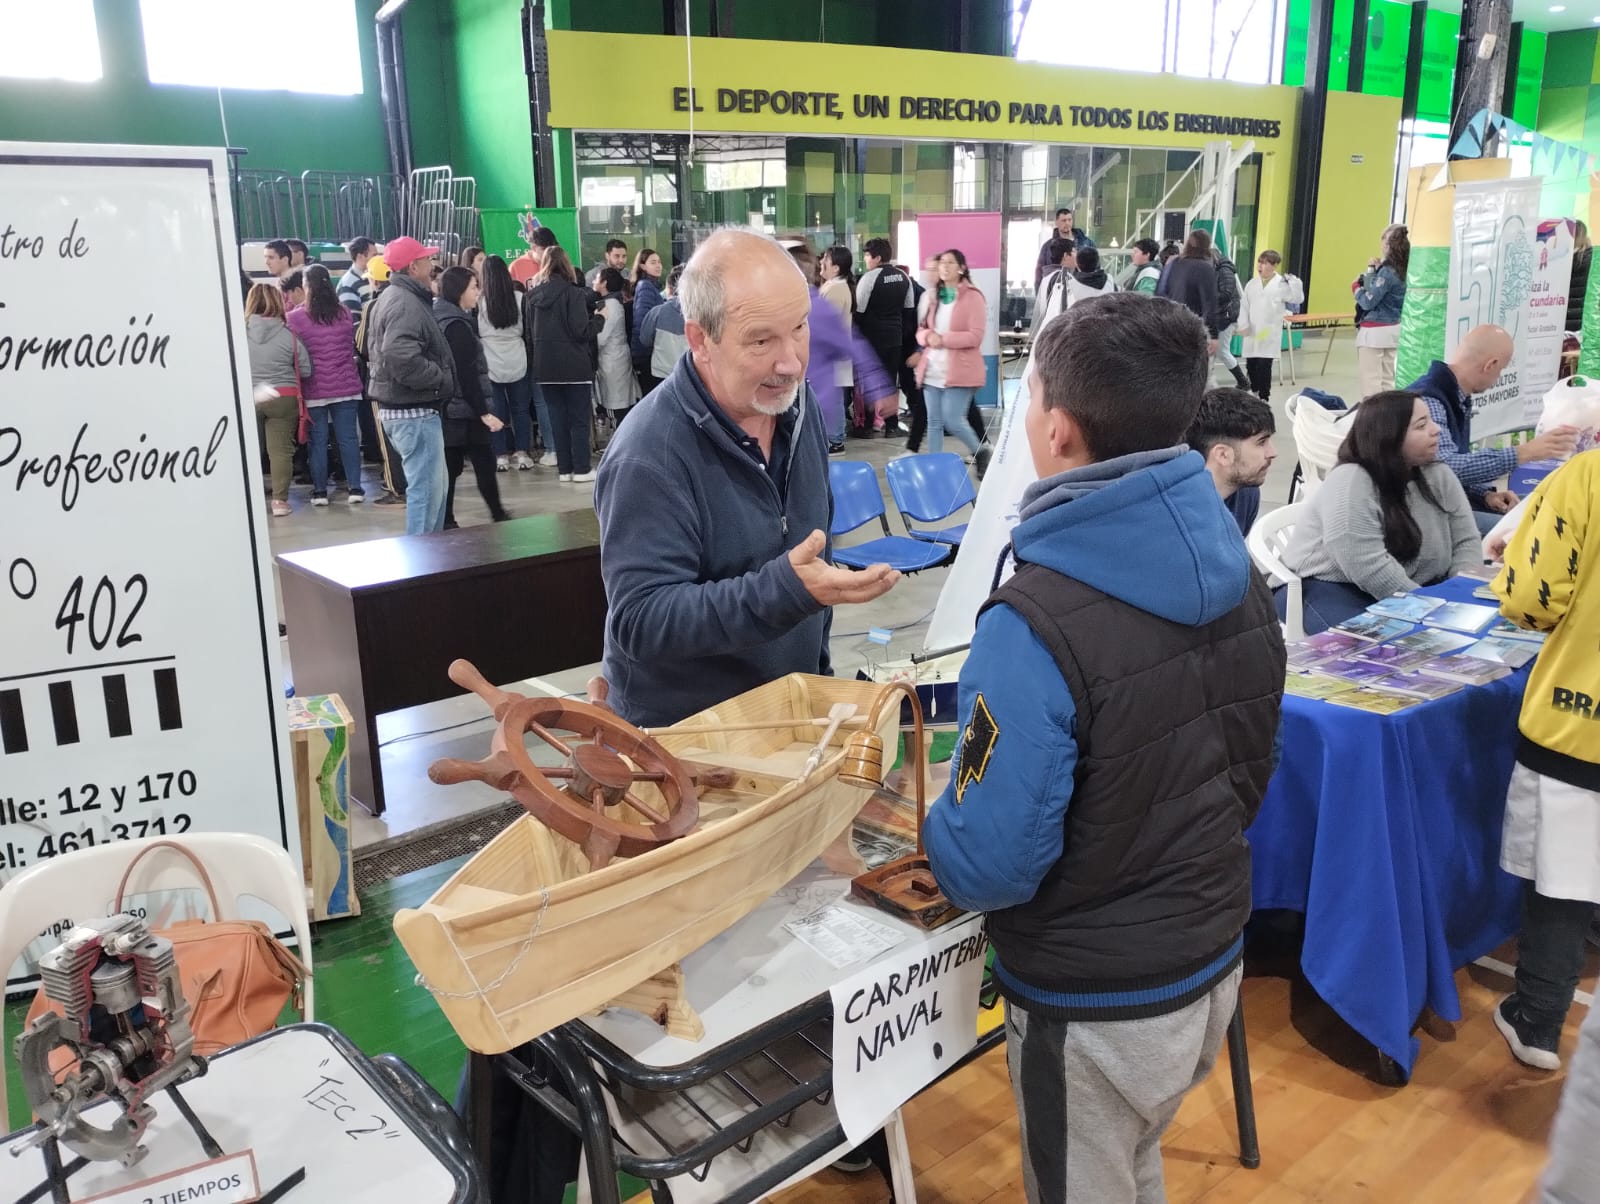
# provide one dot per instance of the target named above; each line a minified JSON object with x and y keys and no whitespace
{"x":319,"y":736}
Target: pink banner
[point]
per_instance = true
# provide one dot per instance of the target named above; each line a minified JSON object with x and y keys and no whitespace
{"x":975,"y":235}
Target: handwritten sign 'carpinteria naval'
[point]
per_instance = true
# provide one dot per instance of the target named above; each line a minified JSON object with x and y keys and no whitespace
{"x":140,"y":689}
{"x":903,"y":1021}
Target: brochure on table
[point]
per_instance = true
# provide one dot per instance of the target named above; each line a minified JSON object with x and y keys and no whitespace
{"x":140,"y":687}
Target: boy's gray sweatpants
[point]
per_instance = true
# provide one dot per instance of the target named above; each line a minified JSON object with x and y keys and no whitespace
{"x":1094,"y":1097}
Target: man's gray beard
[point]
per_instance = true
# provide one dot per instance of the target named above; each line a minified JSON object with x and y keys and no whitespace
{"x":773,"y":408}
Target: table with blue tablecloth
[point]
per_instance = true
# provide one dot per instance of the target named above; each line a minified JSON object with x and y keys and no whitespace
{"x":1384,"y":831}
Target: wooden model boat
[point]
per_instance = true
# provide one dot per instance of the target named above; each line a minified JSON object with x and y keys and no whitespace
{"x":652,"y":844}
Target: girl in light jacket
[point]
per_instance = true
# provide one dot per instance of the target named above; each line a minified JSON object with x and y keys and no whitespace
{"x":619,"y":387}
{"x":500,"y":330}
{"x":278,"y":363}
{"x":950,"y":368}
{"x":1266,"y":300}
{"x":1380,"y":295}
{"x":333,"y":391}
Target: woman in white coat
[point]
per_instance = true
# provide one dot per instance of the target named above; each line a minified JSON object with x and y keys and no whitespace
{"x":1266,"y":299}
{"x":619,"y":387}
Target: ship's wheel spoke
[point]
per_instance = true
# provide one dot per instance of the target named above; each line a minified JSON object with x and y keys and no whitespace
{"x":550,"y":738}
{"x":643,"y":808}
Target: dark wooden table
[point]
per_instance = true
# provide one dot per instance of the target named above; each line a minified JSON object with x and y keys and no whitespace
{"x":378,"y":623}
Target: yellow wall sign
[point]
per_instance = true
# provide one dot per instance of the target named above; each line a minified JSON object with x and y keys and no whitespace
{"x":746,"y":86}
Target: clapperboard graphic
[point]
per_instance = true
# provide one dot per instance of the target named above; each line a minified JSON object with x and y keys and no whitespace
{"x":79,"y":706}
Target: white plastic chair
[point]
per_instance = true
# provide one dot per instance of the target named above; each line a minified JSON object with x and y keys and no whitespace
{"x":1266,"y":541}
{"x":83,"y":884}
{"x":1318,"y":434}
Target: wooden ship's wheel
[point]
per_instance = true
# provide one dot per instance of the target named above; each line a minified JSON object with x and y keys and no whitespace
{"x":590,"y":799}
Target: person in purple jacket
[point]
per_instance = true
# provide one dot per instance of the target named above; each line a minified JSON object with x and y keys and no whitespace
{"x":833,"y":343}
{"x":333,"y":391}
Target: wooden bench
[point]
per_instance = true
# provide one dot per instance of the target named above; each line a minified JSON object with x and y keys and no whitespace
{"x":378,"y":623}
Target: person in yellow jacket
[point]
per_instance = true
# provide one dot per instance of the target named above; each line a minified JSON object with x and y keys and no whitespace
{"x":1551,"y":583}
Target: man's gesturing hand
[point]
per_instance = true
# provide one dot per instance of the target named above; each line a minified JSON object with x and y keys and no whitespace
{"x":834,"y":586}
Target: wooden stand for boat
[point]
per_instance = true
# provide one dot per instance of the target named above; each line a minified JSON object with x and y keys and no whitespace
{"x":904,"y":887}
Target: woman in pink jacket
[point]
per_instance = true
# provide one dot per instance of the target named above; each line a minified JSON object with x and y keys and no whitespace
{"x":333,"y":391}
{"x":950,"y":368}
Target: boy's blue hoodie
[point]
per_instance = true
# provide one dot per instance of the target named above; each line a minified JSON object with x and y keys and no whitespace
{"x":1148,"y":529}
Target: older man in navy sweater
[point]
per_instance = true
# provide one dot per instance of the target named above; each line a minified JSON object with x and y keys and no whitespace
{"x":714,"y":503}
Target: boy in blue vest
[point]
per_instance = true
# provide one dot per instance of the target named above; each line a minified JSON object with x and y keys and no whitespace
{"x":1119,"y":711}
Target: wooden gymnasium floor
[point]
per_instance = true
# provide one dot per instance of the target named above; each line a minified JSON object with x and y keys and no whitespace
{"x":1471,"y":1126}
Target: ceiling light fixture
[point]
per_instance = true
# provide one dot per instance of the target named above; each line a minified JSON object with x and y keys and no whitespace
{"x":1558,"y":8}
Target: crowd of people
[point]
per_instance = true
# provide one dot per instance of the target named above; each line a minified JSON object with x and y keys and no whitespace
{"x":713,"y":503}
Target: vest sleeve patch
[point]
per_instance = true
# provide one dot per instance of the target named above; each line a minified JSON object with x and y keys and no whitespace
{"x":977,"y":746}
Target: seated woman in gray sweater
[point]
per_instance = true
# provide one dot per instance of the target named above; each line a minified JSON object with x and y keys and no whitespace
{"x":1388,"y":519}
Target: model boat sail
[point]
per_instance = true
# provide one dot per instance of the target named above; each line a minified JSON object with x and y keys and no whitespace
{"x":637,"y":850}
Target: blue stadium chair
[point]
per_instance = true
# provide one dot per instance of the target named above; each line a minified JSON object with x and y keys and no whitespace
{"x":929,"y":488}
{"x":857,"y":500}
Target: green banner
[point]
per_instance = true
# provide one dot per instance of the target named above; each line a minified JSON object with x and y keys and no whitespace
{"x":1589,"y":355}
{"x":1423,"y":316}
{"x":509,"y":232}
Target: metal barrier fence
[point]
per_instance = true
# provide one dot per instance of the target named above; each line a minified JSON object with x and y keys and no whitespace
{"x":433,"y":205}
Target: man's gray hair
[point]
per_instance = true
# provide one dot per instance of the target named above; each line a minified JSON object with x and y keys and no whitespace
{"x":702,"y":293}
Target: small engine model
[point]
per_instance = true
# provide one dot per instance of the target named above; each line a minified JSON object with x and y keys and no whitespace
{"x":126,"y":1025}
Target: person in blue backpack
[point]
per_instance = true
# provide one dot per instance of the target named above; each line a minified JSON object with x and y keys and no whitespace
{"x":1119,"y":713}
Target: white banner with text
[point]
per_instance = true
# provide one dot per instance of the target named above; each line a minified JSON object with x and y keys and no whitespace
{"x":140,"y":687}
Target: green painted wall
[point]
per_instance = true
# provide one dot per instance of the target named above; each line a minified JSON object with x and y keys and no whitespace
{"x":283,"y":130}
{"x":487,"y":99}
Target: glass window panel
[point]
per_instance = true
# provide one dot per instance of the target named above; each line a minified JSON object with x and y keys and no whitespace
{"x":1438,"y":64}
{"x":1388,"y":38}
{"x":1125,"y":36}
{"x":1226,"y":39}
{"x":55,"y":40}
{"x":209,"y":43}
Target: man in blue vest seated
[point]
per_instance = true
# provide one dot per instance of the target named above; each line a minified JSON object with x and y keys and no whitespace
{"x":1448,"y":388}
{"x":1233,"y":430}
{"x":1119,"y":711}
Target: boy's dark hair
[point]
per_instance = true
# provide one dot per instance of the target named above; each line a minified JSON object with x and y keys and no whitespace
{"x":1149,"y":246}
{"x":292,"y":279}
{"x":675,"y":275}
{"x":616,"y":283}
{"x":360,"y":246}
{"x":1271,"y":257}
{"x":278,"y":247}
{"x":294,"y":244}
{"x":1060,"y":248}
{"x":1128,"y":369}
{"x":878,"y":247}
{"x":545,"y":237}
{"x":615,"y":244}
{"x":1088,"y":259}
{"x":1230,"y":414}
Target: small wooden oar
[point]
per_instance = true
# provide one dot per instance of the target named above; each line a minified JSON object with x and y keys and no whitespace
{"x":749,"y":725}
